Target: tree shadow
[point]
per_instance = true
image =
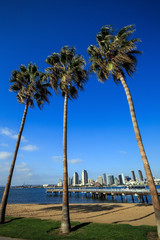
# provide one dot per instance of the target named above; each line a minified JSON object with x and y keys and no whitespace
{"x":11,"y":220}
{"x":96,"y":209}
{"x":108,"y":212}
{"x":136,"y":219}
{"x":143,"y":204}
{"x":75,"y":228}
{"x":85,"y":208}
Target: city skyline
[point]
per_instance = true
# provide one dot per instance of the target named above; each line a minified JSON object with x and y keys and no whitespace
{"x":100,"y":131}
{"x":104,"y":179}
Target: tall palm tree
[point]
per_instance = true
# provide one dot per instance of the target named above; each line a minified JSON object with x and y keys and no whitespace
{"x":66,"y":73}
{"x":29,"y":86}
{"x":115,"y":55}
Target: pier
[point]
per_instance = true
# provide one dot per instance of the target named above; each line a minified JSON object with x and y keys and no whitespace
{"x":141,"y":194}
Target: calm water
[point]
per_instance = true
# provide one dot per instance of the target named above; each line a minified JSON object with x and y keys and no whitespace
{"x":39,"y":196}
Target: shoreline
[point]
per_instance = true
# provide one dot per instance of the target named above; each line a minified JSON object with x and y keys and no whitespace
{"x":125,"y":213}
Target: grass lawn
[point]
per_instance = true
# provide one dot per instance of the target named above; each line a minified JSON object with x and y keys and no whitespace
{"x":29,"y":228}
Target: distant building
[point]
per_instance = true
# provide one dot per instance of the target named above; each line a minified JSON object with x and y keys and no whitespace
{"x":97,"y":184}
{"x":91,"y":182}
{"x":140,"y":175}
{"x":121,"y":179}
{"x":104,"y":179}
{"x":60,"y":183}
{"x":84,"y":177}
{"x":133,"y":176}
{"x":75,"y":179}
{"x":110,"y":179}
{"x":99,"y":180}
{"x":69,"y":181}
{"x":127,"y":179}
{"x":116,"y":181}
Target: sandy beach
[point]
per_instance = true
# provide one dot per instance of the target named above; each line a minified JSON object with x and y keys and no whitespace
{"x":133,"y":214}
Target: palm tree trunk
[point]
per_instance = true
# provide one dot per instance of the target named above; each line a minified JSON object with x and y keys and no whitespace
{"x":65,"y":224}
{"x":151,"y":184}
{"x":7,"y":188}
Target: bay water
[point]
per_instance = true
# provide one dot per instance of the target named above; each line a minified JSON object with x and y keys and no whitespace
{"x":39,"y":196}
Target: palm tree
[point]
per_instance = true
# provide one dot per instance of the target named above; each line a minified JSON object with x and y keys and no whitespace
{"x":68,"y":74}
{"x":115,"y":55}
{"x":29,"y":86}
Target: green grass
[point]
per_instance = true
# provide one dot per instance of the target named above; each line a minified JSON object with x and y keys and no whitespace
{"x":29,"y":228}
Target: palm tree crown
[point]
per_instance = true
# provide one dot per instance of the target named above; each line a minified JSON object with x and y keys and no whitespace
{"x":115,"y":53}
{"x":29,"y":85}
{"x":67,"y":71}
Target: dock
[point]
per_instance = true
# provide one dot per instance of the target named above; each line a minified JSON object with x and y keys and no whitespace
{"x":141,"y":194}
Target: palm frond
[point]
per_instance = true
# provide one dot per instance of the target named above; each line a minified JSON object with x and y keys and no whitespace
{"x":68,"y":73}
{"x":125,"y":29}
{"x":29,"y":83}
{"x":115,"y":53}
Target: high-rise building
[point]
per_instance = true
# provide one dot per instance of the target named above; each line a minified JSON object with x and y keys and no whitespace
{"x":99,"y":180}
{"x":121,"y":179}
{"x":84,"y":177}
{"x":69,"y":181}
{"x":75,"y":179}
{"x":104,"y":179}
{"x":110,"y":180}
{"x":116,"y":182}
{"x":133,"y":176}
{"x":140,"y":175}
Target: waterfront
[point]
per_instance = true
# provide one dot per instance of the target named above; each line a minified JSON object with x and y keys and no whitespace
{"x":39,"y":196}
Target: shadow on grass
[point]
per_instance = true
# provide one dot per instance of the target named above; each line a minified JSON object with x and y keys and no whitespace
{"x":12,"y":219}
{"x":75,"y":228}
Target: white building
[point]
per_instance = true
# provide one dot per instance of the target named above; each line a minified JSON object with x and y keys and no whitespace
{"x":75,"y":179}
{"x":60,"y":183}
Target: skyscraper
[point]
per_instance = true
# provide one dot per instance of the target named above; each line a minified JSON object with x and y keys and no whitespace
{"x":133,"y":176}
{"x":110,"y":179}
{"x":121,"y":179}
{"x":99,"y":180}
{"x":75,"y":179}
{"x":140,"y":175}
{"x":84,"y":177}
{"x":69,"y":181}
{"x":104,"y":179}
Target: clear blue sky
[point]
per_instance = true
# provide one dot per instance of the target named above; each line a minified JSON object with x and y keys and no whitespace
{"x":100,"y":133}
